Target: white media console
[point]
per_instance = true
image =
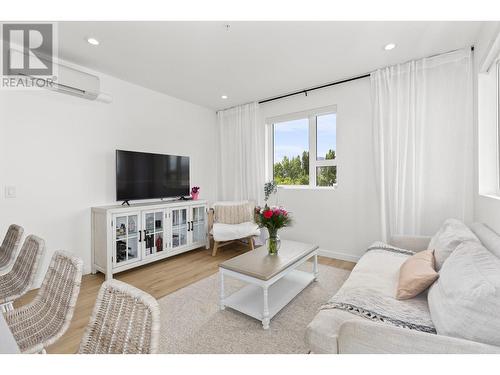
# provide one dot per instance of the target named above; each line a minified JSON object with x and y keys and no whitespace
{"x":125,"y":237}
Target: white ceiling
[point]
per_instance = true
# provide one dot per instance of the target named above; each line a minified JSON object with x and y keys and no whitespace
{"x":200,"y":61}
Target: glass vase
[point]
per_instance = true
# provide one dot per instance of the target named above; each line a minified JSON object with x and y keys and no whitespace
{"x":273,"y":243}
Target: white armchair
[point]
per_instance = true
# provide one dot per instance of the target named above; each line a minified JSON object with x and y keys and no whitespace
{"x":232,"y":221}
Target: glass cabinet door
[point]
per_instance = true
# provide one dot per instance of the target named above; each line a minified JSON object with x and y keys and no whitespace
{"x":126,"y":238}
{"x":153,"y":232}
{"x":180,"y":227}
{"x":198,"y":224}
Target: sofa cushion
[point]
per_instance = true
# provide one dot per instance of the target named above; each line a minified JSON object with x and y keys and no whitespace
{"x":465,"y":301}
{"x":489,"y":238}
{"x":416,"y":274}
{"x":228,"y":232}
{"x":452,"y":233}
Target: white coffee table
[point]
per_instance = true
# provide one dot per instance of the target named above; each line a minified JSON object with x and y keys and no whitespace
{"x":273,"y":281}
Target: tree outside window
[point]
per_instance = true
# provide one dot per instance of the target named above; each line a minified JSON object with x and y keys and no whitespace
{"x":295,"y":140}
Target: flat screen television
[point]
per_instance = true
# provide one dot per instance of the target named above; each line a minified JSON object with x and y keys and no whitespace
{"x":141,"y":175}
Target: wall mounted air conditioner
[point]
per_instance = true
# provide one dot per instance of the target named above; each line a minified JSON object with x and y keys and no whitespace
{"x":72,"y":81}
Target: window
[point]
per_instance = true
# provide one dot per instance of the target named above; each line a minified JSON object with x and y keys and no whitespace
{"x":303,"y":148}
{"x":291,"y":152}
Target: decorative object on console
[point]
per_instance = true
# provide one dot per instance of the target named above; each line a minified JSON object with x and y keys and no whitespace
{"x":121,"y":251}
{"x":272,"y":218}
{"x":195,"y":191}
{"x":159,"y":244}
{"x":132,"y":226}
{"x":121,"y":231}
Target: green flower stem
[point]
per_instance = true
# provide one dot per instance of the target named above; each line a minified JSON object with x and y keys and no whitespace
{"x":273,"y":242}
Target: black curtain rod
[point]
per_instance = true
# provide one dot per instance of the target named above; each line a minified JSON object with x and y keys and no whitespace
{"x":305,"y":91}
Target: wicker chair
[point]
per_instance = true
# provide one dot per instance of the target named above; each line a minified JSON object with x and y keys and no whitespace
{"x":9,"y":246}
{"x":18,"y":280}
{"x":41,"y":322}
{"x":125,"y":320}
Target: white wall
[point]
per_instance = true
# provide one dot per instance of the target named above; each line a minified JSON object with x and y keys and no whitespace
{"x":487,"y":202}
{"x":59,"y":150}
{"x":344,"y":221}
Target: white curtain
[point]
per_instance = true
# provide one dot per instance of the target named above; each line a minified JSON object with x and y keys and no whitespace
{"x":241,"y":147}
{"x":423,"y":132}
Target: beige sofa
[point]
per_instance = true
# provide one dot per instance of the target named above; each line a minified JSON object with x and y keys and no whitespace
{"x":339,"y":331}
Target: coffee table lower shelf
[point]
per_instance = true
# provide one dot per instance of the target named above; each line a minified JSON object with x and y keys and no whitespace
{"x":251,"y":299}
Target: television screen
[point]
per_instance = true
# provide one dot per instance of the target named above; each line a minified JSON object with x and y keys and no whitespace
{"x":141,"y":175}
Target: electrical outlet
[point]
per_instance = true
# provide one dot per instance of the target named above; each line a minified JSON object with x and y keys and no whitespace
{"x":10,"y":192}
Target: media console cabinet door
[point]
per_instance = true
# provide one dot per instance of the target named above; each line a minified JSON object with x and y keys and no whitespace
{"x":126,"y":236}
{"x":179,"y":227}
{"x":153,"y":232}
{"x":198,"y":224}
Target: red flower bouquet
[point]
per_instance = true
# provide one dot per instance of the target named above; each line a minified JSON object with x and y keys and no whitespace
{"x":272,"y":218}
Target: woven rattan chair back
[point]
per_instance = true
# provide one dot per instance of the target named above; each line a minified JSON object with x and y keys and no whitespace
{"x":125,"y":320}
{"x":40,"y":323}
{"x":10,"y":244}
{"x":19,"y":279}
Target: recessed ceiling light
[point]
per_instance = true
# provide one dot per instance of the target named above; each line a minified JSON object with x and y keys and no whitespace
{"x":93,"y":41}
{"x":389,"y":46}
{"x":223,"y":97}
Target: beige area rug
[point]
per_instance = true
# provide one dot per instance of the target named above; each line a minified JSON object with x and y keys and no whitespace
{"x":191,"y":321}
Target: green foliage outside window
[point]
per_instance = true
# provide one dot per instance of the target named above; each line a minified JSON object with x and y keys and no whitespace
{"x":295,"y":171}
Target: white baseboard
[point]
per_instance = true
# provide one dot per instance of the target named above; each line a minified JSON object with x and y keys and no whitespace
{"x":338,"y":255}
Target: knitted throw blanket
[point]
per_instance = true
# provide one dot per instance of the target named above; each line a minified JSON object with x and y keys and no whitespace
{"x":371,"y":304}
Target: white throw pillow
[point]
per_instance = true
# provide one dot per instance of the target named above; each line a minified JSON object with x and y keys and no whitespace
{"x":449,"y":236}
{"x":488,"y":237}
{"x":465,"y":301}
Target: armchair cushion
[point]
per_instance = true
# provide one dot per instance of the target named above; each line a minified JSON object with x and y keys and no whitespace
{"x":229,"y":232}
{"x":233,"y":212}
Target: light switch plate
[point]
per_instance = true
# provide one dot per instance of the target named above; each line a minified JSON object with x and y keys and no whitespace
{"x":10,"y":192}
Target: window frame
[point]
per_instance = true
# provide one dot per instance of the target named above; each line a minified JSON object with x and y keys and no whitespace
{"x":311,"y":115}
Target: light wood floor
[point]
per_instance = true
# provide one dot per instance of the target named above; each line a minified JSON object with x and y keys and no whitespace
{"x":158,"y":279}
